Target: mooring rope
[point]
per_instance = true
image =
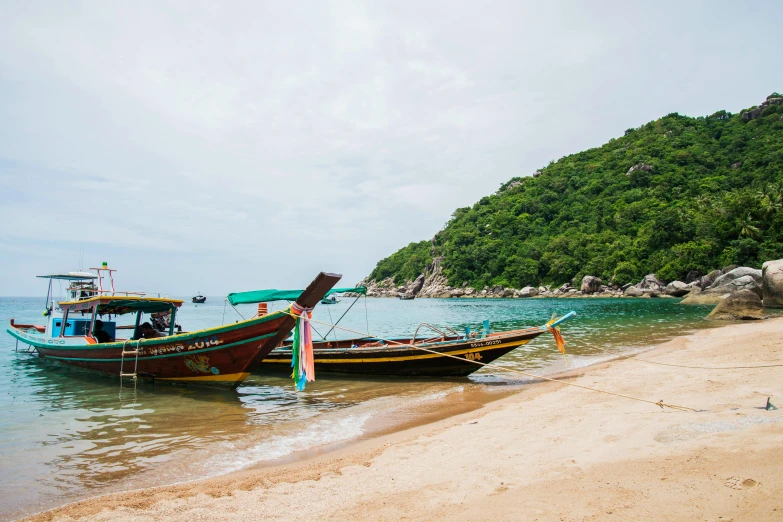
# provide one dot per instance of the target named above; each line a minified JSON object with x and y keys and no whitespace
{"x":709,"y":367}
{"x":660,"y":403}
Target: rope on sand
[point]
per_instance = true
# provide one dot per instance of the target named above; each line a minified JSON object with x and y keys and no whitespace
{"x":659,"y":403}
{"x":709,"y":367}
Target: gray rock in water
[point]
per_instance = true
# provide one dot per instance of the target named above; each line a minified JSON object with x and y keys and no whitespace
{"x":509,"y":292}
{"x":676,"y":289}
{"x":772,"y":283}
{"x":590,"y":285}
{"x":633,"y":291}
{"x":743,"y":304}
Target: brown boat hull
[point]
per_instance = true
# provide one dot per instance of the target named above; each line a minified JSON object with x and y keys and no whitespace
{"x":394,"y":360}
{"x":222,"y":356}
{"x":215,"y":357}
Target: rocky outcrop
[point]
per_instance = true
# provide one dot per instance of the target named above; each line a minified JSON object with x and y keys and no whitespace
{"x":435,"y":283}
{"x":717,"y":286}
{"x":384,"y":288}
{"x":754,"y":113}
{"x":528,"y":291}
{"x":772,"y":283}
{"x":677,"y":289}
{"x":650,"y":282}
{"x":416,"y":286}
{"x":514,"y":184}
{"x":743,"y":304}
{"x":742,"y":278}
{"x":537,"y":174}
{"x":590,"y":285}
{"x":641,"y":166}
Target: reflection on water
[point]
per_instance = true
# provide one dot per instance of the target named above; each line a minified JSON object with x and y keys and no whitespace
{"x":66,"y":434}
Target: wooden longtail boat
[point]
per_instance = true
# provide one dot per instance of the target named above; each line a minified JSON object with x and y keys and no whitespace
{"x":220,"y":356}
{"x":378,"y":357}
{"x":446,"y":354}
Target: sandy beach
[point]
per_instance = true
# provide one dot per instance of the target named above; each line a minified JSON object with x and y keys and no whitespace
{"x":549,"y":452}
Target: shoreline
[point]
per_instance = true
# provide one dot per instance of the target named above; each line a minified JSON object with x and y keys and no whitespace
{"x":556,"y":412}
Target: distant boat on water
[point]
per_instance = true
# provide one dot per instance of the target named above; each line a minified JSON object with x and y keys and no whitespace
{"x":200,"y":298}
{"x":329,"y":300}
{"x":406,"y":297}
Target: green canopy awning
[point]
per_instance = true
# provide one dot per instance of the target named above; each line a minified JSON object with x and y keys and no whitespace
{"x":264,"y":296}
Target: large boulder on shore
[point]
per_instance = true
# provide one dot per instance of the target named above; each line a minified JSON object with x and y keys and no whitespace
{"x":528,"y":291}
{"x":772,"y":283}
{"x":743,"y":304}
{"x":735,"y":273}
{"x":591,"y":285}
{"x":650,"y":282}
{"x":708,"y":279}
{"x":633,"y":291}
{"x":746,"y":282}
{"x":676,"y":289}
{"x":704,"y":298}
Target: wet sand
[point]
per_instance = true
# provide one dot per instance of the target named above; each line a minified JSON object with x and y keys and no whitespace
{"x":549,"y":452}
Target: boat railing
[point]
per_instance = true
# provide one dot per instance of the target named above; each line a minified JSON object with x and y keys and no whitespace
{"x":434,"y":329}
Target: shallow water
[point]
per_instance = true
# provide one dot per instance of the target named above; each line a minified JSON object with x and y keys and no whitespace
{"x":66,"y":435}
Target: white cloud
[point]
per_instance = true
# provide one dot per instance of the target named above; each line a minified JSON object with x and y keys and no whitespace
{"x":266,"y":138}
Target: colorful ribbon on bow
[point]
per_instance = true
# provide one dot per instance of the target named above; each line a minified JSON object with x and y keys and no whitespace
{"x":555,"y":331}
{"x":302,"y":359}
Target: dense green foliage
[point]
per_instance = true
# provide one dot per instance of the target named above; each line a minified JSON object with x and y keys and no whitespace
{"x":586,"y":214}
{"x":405,"y":264}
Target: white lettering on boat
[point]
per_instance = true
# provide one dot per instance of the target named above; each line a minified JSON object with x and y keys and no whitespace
{"x":485,"y":343}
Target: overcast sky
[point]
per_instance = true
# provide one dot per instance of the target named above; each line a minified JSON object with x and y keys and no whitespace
{"x":236,"y":145}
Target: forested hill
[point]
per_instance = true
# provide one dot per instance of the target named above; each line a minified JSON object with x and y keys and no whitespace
{"x":674,"y":195}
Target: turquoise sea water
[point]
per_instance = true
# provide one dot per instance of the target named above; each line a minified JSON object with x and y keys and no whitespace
{"x":67,"y":435}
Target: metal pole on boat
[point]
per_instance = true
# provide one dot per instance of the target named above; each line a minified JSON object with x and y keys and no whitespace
{"x":64,"y":322}
{"x":136,"y":328}
{"x":173,"y":318}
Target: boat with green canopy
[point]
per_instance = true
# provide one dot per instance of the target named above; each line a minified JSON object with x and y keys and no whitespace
{"x":431,"y":350}
{"x":81,"y":332}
